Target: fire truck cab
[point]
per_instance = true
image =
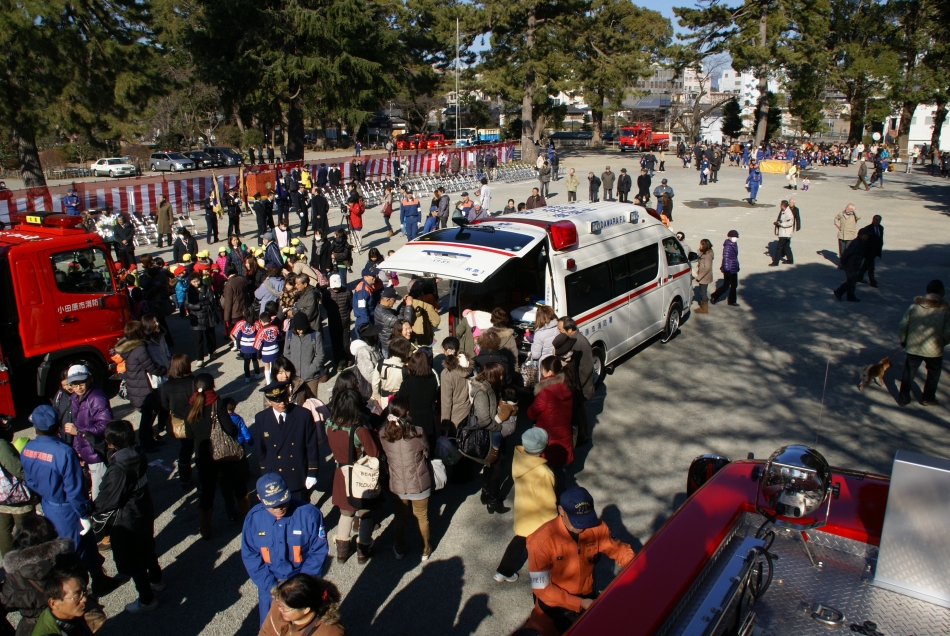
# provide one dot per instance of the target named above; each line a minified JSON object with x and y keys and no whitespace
{"x":59,"y":305}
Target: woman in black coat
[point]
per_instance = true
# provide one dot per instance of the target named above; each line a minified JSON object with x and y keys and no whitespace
{"x":175,"y":393}
{"x":185,"y":244}
{"x":200,"y":304}
{"x":125,"y":503}
{"x":124,"y":235}
{"x":236,"y":254}
{"x":421,"y":389}
{"x":139,"y":365}
{"x":205,"y":413}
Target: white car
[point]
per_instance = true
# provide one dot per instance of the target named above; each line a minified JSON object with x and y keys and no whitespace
{"x":113,"y":167}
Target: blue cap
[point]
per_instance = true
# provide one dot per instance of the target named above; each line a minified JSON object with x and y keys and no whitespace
{"x":369,"y":269}
{"x":43,"y":418}
{"x":272,"y":490}
{"x":579,"y":507}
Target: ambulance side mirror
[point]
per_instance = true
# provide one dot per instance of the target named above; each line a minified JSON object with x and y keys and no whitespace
{"x":693,"y":256}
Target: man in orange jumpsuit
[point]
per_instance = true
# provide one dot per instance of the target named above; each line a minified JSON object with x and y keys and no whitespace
{"x":561,"y":557}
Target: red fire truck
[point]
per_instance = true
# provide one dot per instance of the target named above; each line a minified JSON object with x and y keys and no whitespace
{"x":791,"y":546}
{"x":59,"y":305}
{"x":640,"y":136}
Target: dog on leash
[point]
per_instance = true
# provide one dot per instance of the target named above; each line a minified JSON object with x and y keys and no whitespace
{"x":875,"y":372}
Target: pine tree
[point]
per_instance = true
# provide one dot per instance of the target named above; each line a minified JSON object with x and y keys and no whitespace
{"x":731,"y":119}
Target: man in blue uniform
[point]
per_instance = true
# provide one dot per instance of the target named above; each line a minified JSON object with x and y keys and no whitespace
{"x":71,"y":203}
{"x":363,"y":302}
{"x":409,"y":215}
{"x":286,"y":439}
{"x":51,"y":468}
{"x":282,"y":536}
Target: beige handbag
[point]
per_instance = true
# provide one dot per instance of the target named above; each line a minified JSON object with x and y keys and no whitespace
{"x":360,"y":477}
{"x":178,"y":427}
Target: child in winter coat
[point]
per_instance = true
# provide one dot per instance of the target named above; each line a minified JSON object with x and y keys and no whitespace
{"x":266,"y":344}
{"x":244,"y":336}
{"x":222,"y":259}
{"x":181,"y":289}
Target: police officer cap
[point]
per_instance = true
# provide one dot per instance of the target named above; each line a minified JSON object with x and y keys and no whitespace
{"x":579,"y":506}
{"x":272,"y":490}
{"x":369,"y":269}
{"x":276,"y":391}
{"x":43,"y":418}
{"x":465,"y":194}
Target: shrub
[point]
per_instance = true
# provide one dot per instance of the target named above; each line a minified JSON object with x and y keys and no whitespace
{"x":52,"y":159}
{"x":253,"y":137}
{"x":227,"y":135}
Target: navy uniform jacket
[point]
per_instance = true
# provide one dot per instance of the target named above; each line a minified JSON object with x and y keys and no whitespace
{"x":273,"y":549}
{"x":52,"y":471}
{"x":71,"y":203}
{"x":289,"y":450}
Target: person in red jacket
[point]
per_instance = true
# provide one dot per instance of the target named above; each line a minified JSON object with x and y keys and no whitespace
{"x":551,"y":410}
{"x":561,"y":556}
{"x":356,"y":208}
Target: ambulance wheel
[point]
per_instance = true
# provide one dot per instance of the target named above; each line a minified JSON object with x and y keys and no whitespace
{"x":600,"y":366}
{"x":672,"y":322}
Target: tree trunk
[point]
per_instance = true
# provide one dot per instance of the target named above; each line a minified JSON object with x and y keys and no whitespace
{"x":939,"y":117}
{"x":27,"y":155}
{"x":903,"y":131}
{"x":859,"y":105}
{"x":762,"y":125}
{"x":597,"y":121}
{"x":293,"y":127}
{"x":529,"y":152}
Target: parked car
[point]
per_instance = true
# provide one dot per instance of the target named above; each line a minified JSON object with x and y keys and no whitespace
{"x":113,"y":167}
{"x":174,"y":161}
{"x":202,"y":159}
{"x":225,"y":156}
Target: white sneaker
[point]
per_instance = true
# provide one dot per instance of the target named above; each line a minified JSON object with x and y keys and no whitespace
{"x":501,"y":578}
{"x":137,"y":606}
{"x":425,"y":557}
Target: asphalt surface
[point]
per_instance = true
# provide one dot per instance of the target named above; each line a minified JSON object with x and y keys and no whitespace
{"x":738,"y":380}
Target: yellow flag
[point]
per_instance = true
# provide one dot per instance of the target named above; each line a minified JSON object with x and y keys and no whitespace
{"x":216,"y":196}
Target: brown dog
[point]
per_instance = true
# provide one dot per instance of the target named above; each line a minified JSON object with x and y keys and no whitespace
{"x":874,"y":372}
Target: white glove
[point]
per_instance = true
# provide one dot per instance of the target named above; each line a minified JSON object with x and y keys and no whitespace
{"x":86,"y":525}
{"x":310,"y":483}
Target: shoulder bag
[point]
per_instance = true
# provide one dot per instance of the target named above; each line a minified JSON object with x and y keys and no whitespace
{"x":472,"y":441}
{"x":13,"y":491}
{"x":178,"y":426}
{"x":360,"y":476}
{"x":224,"y":448}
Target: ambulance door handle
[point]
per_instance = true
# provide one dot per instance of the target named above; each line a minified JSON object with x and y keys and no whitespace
{"x":69,"y":319}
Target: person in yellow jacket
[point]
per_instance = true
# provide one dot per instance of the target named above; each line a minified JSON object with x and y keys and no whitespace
{"x":305,"y":180}
{"x":561,"y":557}
{"x":535,"y":501}
{"x":426,"y":319}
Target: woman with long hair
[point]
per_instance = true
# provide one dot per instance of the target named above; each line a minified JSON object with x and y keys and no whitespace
{"x":456,"y":370}
{"x":347,"y":422}
{"x":205,"y":413}
{"x":545,"y":330}
{"x":704,"y":274}
{"x":551,"y":410}
{"x":407,"y":452}
{"x":236,"y":254}
{"x":490,"y":412}
{"x":304,"y":604}
{"x":253,"y":272}
{"x":420,"y":388}
{"x":175,"y":396}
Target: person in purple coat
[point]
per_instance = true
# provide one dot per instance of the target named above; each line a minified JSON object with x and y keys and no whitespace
{"x":91,"y":413}
{"x":729,"y":269}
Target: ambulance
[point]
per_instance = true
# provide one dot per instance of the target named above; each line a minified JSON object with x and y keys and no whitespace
{"x":617,"y":270}
{"x":59,"y":305}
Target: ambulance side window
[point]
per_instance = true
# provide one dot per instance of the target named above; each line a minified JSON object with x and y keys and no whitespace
{"x":84,"y":271}
{"x":674,"y":252}
{"x":634,"y":269}
{"x":588,"y":288}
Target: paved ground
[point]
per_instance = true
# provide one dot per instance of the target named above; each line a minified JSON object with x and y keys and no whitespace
{"x":739,"y":380}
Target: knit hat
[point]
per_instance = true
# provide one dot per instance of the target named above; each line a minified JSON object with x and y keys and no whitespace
{"x":534,"y":440}
{"x":299,"y":321}
{"x":734,"y":233}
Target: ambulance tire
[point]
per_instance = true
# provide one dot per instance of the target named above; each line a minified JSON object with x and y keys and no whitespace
{"x":673,"y":318}
{"x":600,"y":366}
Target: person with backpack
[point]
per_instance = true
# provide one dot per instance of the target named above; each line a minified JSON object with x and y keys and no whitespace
{"x":392,"y":369}
{"x":124,"y":506}
{"x":351,"y":439}
{"x":16,"y":500}
{"x":425,"y":320}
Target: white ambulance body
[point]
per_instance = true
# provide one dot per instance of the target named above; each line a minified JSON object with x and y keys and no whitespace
{"x":619,"y":272}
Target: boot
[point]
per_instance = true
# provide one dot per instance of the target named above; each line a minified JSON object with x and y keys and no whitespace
{"x":492,"y":456}
{"x":204,"y":523}
{"x":703,"y":307}
{"x":343,"y":550}
{"x":243,"y":506}
{"x":389,"y":233}
{"x":484,"y":497}
{"x":496,"y":505}
{"x":363,"y":552}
